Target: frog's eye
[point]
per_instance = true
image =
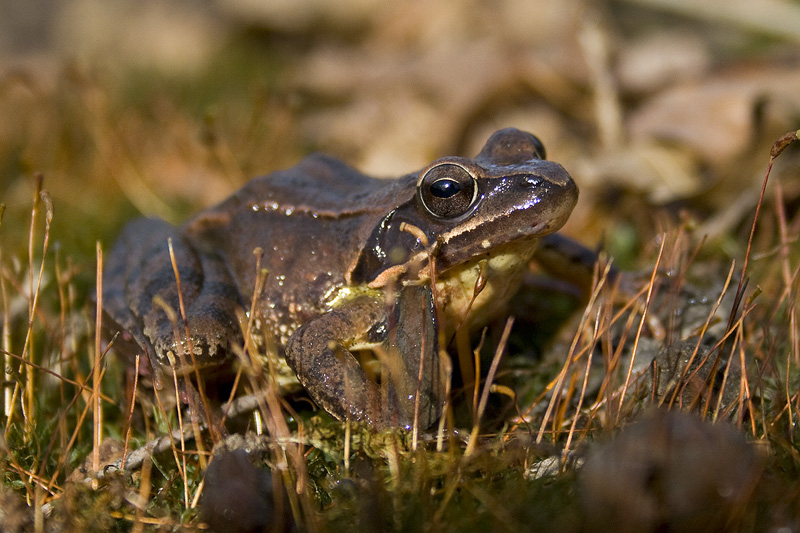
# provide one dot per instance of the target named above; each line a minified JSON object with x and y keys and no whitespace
{"x":448,"y":190}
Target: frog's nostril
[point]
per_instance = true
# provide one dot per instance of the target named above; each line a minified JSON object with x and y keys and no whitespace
{"x":530,"y":182}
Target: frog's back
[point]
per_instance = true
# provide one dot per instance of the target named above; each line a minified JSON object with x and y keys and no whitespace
{"x":310,"y":222}
{"x":322,"y":185}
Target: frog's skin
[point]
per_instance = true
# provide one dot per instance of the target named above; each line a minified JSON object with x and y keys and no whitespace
{"x":350,"y":261}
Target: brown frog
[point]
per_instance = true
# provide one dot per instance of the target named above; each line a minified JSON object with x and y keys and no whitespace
{"x":353,"y":262}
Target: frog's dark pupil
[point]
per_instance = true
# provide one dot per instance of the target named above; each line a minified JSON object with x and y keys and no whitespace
{"x":445,"y":188}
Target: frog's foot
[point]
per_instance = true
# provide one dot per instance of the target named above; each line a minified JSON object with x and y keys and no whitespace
{"x":194,"y":325}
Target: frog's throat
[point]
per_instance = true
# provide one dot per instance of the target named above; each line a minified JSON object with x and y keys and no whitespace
{"x":502,"y":260}
{"x":501,"y":269}
{"x":502,"y":272}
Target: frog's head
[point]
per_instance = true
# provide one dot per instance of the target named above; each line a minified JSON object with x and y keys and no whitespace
{"x":466,"y":210}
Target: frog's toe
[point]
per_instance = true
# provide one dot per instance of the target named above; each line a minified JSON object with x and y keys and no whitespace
{"x":206,"y":347}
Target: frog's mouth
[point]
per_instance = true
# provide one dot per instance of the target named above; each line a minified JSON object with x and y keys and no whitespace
{"x":502,"y":260}
{"x":459,"y":251}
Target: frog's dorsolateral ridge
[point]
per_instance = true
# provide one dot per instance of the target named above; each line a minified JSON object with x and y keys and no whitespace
{"x":350,"y":260}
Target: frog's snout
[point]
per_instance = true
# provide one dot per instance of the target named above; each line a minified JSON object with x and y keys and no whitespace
{"x":552,"y":198}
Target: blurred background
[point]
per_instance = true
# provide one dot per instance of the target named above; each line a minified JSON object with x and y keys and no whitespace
{"x":660,"y":109}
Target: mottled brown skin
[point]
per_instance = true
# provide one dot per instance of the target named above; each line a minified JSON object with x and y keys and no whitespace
{"x":349,"y":260}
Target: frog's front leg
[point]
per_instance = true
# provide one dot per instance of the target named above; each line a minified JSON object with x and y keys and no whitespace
{"x":403,"y":336}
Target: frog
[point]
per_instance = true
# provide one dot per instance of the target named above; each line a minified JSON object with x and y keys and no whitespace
{"x":328,"y":261}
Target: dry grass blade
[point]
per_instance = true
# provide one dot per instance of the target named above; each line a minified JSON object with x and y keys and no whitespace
{"x":487,"y":387}
{"x":143,"y":495}
{"x":83,"y":388}
{"x":700,"y":335}
{"x":7,"y":392}
{"x":650,"y":288}
{"x":599,"y":318}
{"x":777,"y":149}
{"x":33,"y":290}
{"x":97,"y":411}
{"x":573,"y":355}
{"x":204,"y":404}
{"x":131,"y":411}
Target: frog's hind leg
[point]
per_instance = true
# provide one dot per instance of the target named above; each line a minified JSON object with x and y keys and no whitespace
{"x":200,"y":300}
{"x":123,"y":303}
{"x":201,"y":303}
